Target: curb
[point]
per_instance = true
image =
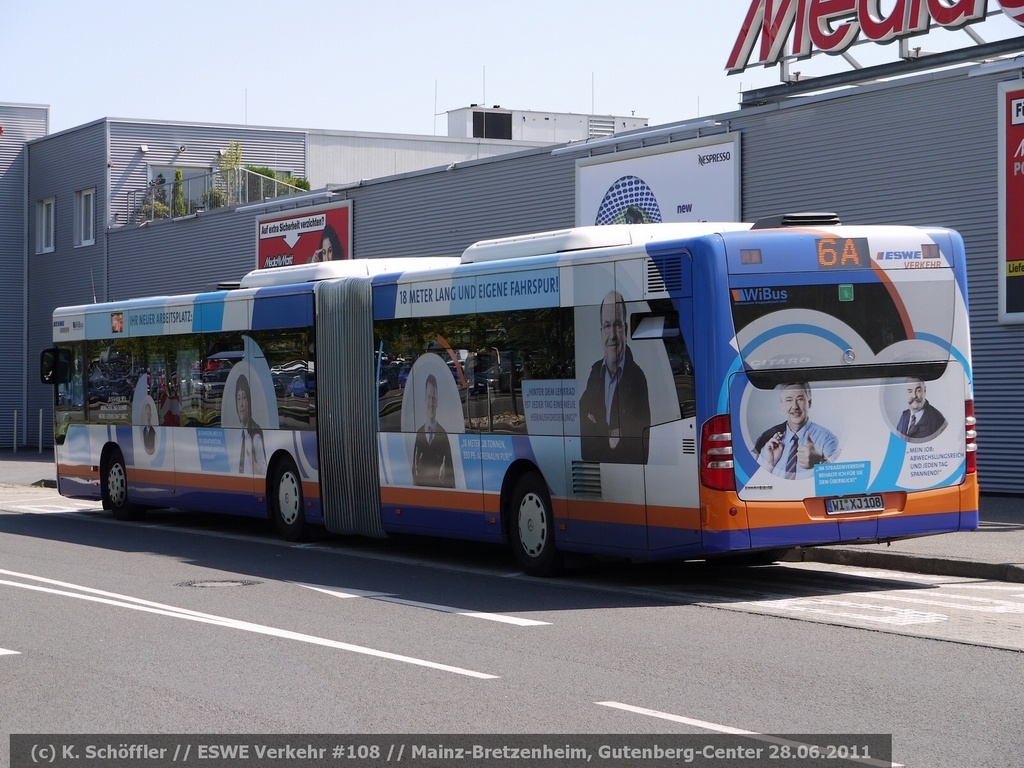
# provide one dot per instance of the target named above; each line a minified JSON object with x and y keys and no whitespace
{"x":895,"y":561}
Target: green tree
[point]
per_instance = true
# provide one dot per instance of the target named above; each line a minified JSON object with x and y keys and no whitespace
{"x":179,"y":206}
{"x":229,"y":168}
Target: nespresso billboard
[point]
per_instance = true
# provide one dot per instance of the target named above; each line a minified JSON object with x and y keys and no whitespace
{"x":832,"y":26}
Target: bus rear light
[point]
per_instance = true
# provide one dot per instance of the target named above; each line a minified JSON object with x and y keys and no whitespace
{"x":716,"y":462}
{"x":971,"y":442}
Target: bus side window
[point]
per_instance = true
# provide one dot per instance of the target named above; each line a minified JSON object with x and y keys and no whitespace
{"x":682,"y":374}
{"x":664,"y":325}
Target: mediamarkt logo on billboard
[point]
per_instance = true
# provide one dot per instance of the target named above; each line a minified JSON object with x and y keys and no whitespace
{"x":832,"y":26}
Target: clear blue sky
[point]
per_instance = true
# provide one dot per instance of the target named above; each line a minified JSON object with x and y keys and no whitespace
{"x":386,"y":65}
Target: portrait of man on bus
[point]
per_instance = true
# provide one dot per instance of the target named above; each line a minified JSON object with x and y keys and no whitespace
{"x":614,"y":409}
{"x":432,"y":453}
{"x":793,"y":448}
{"x":921,"y":420}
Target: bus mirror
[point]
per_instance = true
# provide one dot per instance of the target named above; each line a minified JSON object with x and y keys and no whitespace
{"x":55,"y":366}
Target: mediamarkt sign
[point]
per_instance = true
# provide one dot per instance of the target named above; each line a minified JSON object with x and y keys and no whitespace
{"x":832,"y":26}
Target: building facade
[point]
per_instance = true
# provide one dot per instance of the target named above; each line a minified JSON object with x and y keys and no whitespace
{"x":921,"y":150}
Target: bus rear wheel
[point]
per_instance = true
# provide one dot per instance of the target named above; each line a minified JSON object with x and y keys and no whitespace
{"x":115,"y":488}
{"x":286,"y":502}
{"x":532,"y":527}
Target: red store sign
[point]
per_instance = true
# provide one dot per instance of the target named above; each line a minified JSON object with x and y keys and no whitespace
{"x":832,"y":26}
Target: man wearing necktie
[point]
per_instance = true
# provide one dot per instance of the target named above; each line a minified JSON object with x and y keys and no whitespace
{"x":615,"y":409}
{"x":432,"y":455}
{"x":922,"y":420}
{"x":793,"y":448}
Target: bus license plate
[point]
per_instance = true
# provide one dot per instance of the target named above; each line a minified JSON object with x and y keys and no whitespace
{"x":848,"y":504}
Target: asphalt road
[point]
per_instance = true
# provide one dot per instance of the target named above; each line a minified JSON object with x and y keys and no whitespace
{"x":185,"y":624}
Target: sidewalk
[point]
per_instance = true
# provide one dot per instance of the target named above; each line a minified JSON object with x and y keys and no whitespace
{"x":994,"y":551}
{"x":28,"y":466}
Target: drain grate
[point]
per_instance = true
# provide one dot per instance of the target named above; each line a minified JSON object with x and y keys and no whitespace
{"x":218,"y":583}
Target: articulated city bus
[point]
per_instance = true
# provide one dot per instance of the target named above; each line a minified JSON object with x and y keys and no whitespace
{"x":652,"y":391}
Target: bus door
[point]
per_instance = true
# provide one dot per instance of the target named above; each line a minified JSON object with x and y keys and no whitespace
{"x":670,"y":472}
{"x":635,"y":380}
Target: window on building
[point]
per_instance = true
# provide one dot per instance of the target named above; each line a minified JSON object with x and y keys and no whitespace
{"x":84,"y":217}
{"x":492,"y":125}
{"x":44,"y":225}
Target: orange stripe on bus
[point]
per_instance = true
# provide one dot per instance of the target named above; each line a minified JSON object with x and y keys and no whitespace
{"x":606,"y":512}
{"x":464,"y":501}
{"x":725,"y":511}
{"x":78,"y":470}
{"x":674,"y":517}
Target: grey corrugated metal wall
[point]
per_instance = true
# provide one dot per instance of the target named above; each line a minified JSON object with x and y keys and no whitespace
{"x":440,"y":213}
{"x":70,"y":274}
{"x":282,"y":150}
{"x":20,"y":124}
{"x":343,"y":157}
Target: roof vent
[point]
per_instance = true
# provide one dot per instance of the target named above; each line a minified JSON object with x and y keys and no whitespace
{"x":806,"y":219}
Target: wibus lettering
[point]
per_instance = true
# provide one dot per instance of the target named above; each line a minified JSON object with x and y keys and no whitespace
{"x":764,"y":295}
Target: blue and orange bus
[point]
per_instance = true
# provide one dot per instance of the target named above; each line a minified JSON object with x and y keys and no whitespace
{"x":645,"y":391}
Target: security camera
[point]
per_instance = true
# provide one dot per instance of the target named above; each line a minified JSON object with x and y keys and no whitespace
{"x":182,"y":148}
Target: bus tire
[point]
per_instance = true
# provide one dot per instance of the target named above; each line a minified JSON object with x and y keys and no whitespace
{"x":286,"y":502}
{"x":532,"y":527}
{"x":115,"y":488}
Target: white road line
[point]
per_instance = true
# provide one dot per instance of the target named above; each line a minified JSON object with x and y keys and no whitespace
{"x":466,"y":612}
{"x":137,"y":604}
{"x":342,"y":593}
{"x":46,"y":509}
{"x":719,"y":728}
{"x":5,"y":652}
{"x":388,"y":598}
{"x":851,"y":609}
{"x":960,"y":602}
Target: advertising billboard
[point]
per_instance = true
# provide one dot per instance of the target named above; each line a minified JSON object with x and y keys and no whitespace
{"x":304,"y":235}
{"x":1011,"y":198}
{"x":696,"y":180}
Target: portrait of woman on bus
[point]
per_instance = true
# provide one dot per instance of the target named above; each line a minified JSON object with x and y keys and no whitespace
{"x":252,"y":457}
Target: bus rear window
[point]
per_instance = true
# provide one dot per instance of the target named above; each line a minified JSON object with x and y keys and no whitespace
{"x":843,"y":324}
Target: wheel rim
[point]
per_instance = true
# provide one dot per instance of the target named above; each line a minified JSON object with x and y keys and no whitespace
{"x":533,"y":524}
{"x":117,"y":484}
{"x":288,"y":498}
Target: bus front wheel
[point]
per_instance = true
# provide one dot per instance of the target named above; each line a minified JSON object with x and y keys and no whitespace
{"x":115,"y":488}
{"x":286,"y":501}
{"x":532,"y":527}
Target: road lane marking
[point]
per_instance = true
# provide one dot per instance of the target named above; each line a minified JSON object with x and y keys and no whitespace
{"x":466,"y":612}
{"x":147,"y":606}
{"x":47,"y":509}
{"x":5,"y":652}
{"x":384,"y":597}
{"x":853,"y":609}
{"x":961,"y":602}
{"x":719,"y":728}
